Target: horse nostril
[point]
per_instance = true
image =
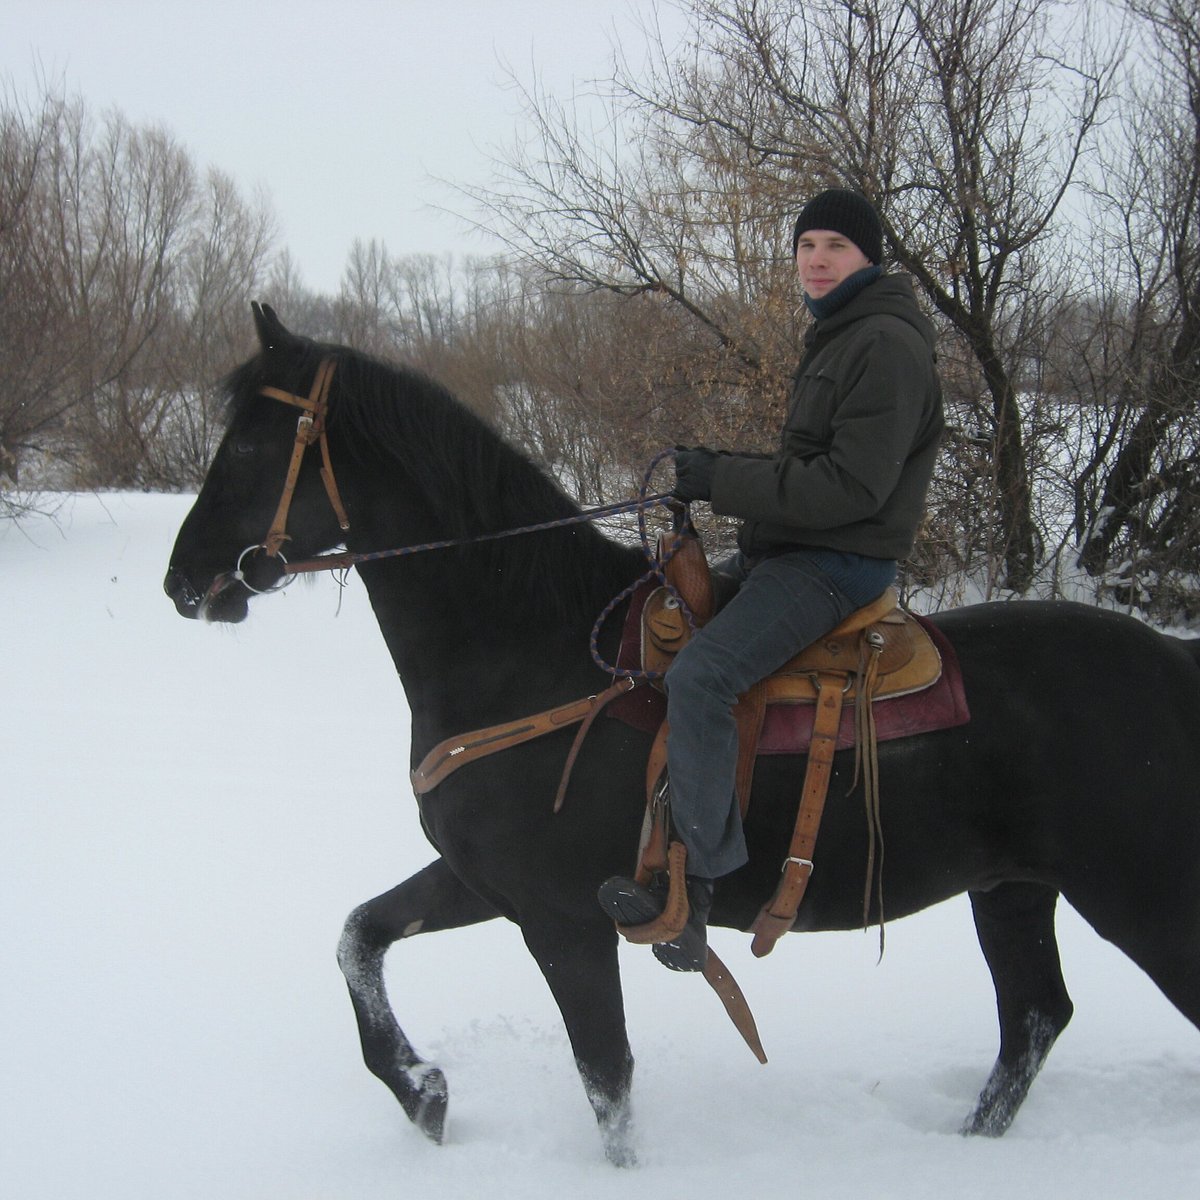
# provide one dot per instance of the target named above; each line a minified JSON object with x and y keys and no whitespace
{"x":179,"y":588}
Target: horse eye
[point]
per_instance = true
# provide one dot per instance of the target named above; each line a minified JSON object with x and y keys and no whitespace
{"x":243,"y":448}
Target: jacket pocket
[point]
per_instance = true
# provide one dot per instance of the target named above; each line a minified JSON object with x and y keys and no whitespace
{"x":809,"y":424}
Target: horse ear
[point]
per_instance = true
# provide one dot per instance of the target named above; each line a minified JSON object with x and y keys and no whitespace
{"x":271,"y":331}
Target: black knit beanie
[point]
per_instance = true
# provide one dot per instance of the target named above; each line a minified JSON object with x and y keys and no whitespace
{"x":849,"y":213}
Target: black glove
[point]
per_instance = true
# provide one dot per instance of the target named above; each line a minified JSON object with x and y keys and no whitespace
{"x":694,"y":467}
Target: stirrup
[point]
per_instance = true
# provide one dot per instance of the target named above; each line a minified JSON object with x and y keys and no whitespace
{"x":663,"y":924}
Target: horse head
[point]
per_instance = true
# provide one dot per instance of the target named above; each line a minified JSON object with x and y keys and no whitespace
{"x":265,"y":498}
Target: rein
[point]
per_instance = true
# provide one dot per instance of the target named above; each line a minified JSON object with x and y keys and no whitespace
{"x":338,"y":562}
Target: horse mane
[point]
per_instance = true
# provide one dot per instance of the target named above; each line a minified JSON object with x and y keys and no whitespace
{"x":473,"y":479}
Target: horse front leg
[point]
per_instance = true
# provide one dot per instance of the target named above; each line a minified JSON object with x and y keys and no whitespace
{"x":579,"y":962}
{"x":433,"y":899}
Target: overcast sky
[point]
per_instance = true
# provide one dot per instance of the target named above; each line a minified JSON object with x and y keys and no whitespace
{"x":347,"y":113}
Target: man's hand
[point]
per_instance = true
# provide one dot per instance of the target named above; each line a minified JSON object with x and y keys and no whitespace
{"x":694,"y":467}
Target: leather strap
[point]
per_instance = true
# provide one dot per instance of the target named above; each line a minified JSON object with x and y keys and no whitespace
{"x":657,"y":854}
{"x":276,"y":534}
{"x":610,"y":693}
{"x":777,"y":916}
{"x":726,"y":987}
{"x":448,"y":755}
{"x":866,"y":767}
{"x":669,"y":925}
{"x":654,"y":856}
{"x":748,"y":714}
{"x":309,"y":428}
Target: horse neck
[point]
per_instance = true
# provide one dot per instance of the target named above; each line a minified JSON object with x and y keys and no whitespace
{"x":467,"y":625}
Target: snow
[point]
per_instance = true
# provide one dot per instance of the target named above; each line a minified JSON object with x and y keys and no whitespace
{"x":190,"y":812}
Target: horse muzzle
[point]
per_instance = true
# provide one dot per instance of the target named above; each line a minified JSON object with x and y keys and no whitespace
{"x":258,"y":572}
{"x":225,"y":600}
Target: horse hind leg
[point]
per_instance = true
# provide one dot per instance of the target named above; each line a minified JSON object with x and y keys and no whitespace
{"x":431,"y":900}
{"x":1015,"y":924}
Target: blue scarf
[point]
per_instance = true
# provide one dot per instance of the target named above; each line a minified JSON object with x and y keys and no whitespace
{"x":827,"y":305}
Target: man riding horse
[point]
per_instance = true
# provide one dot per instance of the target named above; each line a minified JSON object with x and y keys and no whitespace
{"x":824,"y":521}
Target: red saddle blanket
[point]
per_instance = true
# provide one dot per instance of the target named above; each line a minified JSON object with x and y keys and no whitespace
{"x":787,"y":727}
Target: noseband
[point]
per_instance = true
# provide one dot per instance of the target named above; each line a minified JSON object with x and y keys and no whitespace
{"x":310,"y":428}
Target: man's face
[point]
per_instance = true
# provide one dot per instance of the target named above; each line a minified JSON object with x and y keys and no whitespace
{"x":824,"y":258}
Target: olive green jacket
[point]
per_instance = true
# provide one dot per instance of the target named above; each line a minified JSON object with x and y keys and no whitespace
{"x":858,"y":446}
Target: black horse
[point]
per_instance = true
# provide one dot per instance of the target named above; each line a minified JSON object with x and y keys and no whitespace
{"x":1078,"y":774}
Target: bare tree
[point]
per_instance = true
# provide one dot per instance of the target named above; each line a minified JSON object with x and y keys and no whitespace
{"x":118,"y":271}
{"x":285,"y":288}
{"x":122,"y":204}
{"x":962,"y":119}
{"x":1136,"y":502}
{"x":643,"y":205}
{"x":593,"y":386}
{"x":38,"y":354}
{"x":419,"y":309}
{"x":225,"y":248}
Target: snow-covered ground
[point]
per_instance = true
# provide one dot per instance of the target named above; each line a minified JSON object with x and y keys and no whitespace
{"x":188,"y":814}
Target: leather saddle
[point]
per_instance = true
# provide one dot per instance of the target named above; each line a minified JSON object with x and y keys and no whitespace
{"x":906,"y":660}
{"x":880,"y":652}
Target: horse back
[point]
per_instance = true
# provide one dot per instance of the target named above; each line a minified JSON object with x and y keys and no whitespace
{"x":1079,"y":766}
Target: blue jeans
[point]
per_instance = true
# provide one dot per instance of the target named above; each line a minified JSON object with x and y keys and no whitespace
{"x":785,"y":603}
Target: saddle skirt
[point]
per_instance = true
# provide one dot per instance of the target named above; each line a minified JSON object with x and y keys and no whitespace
{"x":918,"y":687}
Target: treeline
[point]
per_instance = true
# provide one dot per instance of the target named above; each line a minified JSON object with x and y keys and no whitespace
{"x":1040,"y":181}
{"x":124,"y":273}
{"x":1037,"y":166}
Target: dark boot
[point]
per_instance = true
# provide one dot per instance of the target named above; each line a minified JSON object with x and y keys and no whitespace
{"x":629,"y":903}
{"x":689,"y":951}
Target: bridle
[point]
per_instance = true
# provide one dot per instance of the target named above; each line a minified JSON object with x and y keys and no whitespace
{"x":310,"y":429}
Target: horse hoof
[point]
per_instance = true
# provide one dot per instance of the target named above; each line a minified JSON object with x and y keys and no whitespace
{"x":986,"y":1124}
{"x":427,"y":1101}
{"x":621,"y":1156}
{"x":618,"y":1144}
